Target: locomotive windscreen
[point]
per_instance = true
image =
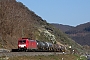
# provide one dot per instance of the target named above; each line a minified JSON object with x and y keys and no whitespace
{"x":22,"y":41}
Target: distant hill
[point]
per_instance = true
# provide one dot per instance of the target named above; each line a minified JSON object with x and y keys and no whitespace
{"x":17,"y":21}
{"x":62,"y":27}
{"x":80,"y":33}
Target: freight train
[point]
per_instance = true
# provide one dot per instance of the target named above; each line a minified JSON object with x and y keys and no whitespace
{"x":26,"y":44}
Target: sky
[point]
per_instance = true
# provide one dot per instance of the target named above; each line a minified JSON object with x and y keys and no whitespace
{"x":66,"y":12}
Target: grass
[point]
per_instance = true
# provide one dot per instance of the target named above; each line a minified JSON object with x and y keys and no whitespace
{"x":50,"y":57}
{"x":82,"y":58}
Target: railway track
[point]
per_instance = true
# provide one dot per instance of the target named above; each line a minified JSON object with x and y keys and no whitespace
{"x":13,"y":54}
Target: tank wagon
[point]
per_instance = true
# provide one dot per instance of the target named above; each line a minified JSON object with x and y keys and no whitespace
{"x":27,"y":44}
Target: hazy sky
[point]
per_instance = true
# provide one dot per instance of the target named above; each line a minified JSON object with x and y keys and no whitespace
{"x":67,"y":12}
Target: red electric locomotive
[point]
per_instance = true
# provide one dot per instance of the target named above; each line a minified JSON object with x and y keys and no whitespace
{"x":25,"y":44}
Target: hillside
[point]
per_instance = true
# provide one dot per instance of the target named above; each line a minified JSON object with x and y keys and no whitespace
{"x":17,"y":21}
{"x":80,"y":33}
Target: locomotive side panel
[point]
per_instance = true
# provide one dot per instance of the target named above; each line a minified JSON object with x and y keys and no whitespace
{"x":32,"y":44}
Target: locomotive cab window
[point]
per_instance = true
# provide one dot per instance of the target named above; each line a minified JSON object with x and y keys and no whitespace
{"x":22,"y":41}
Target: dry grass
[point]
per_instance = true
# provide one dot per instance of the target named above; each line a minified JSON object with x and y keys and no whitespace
{"x":51,"y":57}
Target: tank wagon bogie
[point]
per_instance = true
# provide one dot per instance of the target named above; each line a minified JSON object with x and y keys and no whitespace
{"x":26,"y":44}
